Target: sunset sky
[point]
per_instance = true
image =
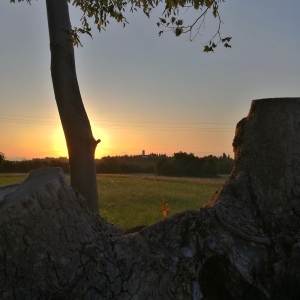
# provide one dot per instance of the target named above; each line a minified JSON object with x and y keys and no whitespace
{"x":145,"y":92}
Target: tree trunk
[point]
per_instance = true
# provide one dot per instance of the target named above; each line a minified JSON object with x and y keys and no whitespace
{"x":80,"y":141}
{"x":244,"y":244}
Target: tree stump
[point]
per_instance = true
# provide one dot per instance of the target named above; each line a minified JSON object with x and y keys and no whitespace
{"x":243,"y":244}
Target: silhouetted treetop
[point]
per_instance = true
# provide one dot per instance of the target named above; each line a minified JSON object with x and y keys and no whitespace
{"x":2,"y":157}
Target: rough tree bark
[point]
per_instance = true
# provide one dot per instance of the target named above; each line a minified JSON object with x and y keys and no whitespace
{"x":80,"y":141}
{"x":244,"y":244}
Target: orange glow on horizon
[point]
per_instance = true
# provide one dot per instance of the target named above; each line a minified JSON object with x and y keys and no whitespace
{"x":49,"y":141}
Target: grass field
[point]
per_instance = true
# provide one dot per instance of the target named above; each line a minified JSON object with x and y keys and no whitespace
{"x":132,"y":200}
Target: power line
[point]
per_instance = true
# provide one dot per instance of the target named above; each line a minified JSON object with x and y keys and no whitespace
{"x":120,"y":127}
{"x":126,"y":121}
{"x":29,"y":116}
{"x":27,"y":121}
{"x":33,"y":121}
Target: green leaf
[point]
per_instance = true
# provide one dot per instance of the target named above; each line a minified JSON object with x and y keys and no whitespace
{"x":178,"y":31}
{"x":227,"y":39}
{"x":208,"y":49}
{"x":208,"y":3}
{"x":227,"y":45}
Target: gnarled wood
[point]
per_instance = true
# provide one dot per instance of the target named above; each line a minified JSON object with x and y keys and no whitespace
{"x":244,"y":244}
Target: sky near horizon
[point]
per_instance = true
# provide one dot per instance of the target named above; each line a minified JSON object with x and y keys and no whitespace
{"x":145,"y":92}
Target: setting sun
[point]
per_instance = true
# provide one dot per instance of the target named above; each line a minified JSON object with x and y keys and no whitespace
{"x":58,"y":143}
{"x":59,"y":148}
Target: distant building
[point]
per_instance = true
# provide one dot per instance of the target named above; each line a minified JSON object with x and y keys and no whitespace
{"x":147,"y":156}
{"x":144,"y":155}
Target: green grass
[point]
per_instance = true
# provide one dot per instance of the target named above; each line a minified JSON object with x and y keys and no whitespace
{"x":6,"y":179}
{"x":130,"y":200}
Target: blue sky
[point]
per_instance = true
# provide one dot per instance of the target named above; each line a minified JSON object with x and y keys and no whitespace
{"x":145,"y":92}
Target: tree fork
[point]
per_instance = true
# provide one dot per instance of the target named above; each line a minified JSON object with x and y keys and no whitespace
{"x":79,"y":138}
{"x":243,"y":244}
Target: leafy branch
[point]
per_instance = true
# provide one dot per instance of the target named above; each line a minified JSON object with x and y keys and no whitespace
{"x":102,"y":11}
{"x":171,"y":22}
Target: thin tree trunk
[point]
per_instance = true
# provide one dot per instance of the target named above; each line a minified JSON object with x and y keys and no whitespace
{"x":80,"y":141}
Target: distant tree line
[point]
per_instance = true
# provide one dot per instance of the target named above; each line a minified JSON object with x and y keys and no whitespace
{"x":127,"y":164}
{"x":180,"y":164}
{"x":189,"y":165}
{"x":25,"y":166}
